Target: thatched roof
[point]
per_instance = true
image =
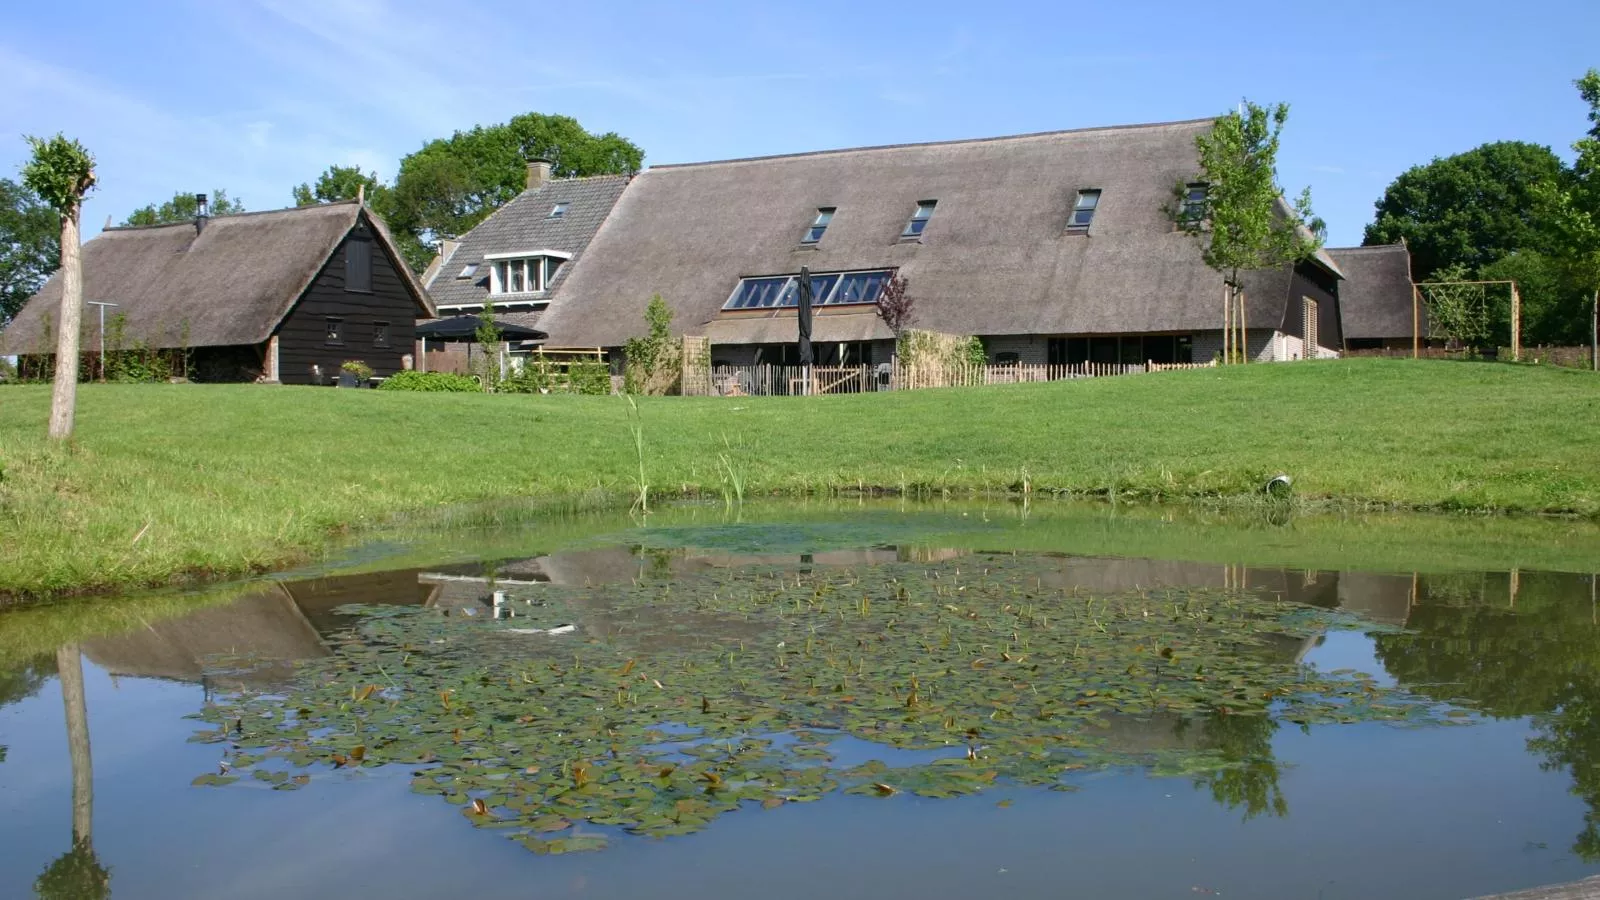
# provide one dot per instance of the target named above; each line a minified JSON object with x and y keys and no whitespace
{"x":230,"y":283}
{"x":995,"y":259}
{"x":1376,"y":300}
{"x":525,"y":224}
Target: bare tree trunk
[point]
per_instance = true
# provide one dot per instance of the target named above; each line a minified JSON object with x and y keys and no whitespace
{"x":64,"y":399}
{"x":69,"y":667}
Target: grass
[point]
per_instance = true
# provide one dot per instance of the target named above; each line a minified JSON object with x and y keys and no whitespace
{"x":166,"y":481}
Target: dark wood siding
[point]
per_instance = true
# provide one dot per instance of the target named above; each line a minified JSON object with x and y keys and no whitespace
{"x":1311,"y":281}
{"x":302,"y":337}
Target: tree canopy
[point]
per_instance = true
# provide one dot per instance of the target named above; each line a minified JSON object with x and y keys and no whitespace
{"x":182,"y":208}
{"x":338,"y":183}
{"x":452,"y":184}
{"x":30,"y":245}
{"x":1470,"y":209}
{"x":1240,"y":215}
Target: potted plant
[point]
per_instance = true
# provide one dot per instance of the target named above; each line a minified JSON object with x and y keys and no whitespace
{"x":354,"y":373}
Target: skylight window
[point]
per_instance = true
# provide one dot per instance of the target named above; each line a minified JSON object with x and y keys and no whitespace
{"x":559,"y":211}
{"x":827,"y":289}
{"x":468,"y":270}
{"x":919,"y":219}
{"x":1083,"y":210}
{"x":818,"y":225}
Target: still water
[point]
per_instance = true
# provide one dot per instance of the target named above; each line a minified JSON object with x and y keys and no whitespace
{"x":1432,"y":729}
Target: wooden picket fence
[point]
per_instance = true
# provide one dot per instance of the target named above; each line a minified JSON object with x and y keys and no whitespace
{"x":744,"y":381}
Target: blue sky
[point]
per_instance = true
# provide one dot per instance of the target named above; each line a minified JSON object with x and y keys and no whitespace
{"x":258,"y":95}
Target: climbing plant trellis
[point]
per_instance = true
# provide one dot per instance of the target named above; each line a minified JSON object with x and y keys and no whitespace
{"x":1462,"y":312}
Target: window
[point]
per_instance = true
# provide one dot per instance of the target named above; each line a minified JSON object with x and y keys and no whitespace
{"x":1007,"y":358}
{"x":358,"y":265}
{"x":335,"y":332}
{"x":827,"y":289}
{"x":559,"y":211}
{"x":1083,"y":211}
{"x":919,"y":219}
{"x":818,"y":225}
{"x":1310,"y":312}
{"x":380,"y":334}
{"x":524,"y":274}
{"x":1194,"y":205}
{"x":468,"y":270}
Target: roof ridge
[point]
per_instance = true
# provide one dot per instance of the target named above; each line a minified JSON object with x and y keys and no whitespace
{"x":1397,"y":244}
{"x":238,"y":215}
{"x":945,"y":143}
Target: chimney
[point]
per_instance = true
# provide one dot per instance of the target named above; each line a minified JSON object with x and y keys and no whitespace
{"x":202,"y":212}
{"x":538,"y":172}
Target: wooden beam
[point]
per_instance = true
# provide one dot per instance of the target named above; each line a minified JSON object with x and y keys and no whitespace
{"x":272,"y":359}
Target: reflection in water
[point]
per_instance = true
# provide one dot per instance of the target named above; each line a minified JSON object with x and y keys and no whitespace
{"x":77,"y":873}
{"x":1515,"y":644}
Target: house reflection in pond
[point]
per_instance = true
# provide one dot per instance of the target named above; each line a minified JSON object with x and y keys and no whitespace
{"x":284,"y":621}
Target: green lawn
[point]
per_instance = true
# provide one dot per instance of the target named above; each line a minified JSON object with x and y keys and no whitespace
{"x":169,"y":480}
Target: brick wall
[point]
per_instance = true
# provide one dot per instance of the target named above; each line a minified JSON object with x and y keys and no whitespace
{"x":1262,"y":345}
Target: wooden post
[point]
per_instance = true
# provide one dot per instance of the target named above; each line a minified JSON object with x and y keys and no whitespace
{"x":1244,"y":331}
{"x":1227,"y":323}
{"x":1516,"y":323}
{"x":1594,"y":335}
{"x":1416,"y":322}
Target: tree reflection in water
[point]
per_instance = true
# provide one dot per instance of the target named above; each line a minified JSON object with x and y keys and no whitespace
{"x":1515,"y":645}
{"x":78,"y":873}
{"x":1249,"y":780}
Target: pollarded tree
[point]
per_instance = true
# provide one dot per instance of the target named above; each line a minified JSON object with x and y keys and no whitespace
{"x":1236,"y":207}
{"x":61,"y":172}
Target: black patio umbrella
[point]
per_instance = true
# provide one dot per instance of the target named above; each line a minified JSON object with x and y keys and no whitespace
{"x":465,"y":328}
{"x":805,"y":315}
{"x":458,"y":329}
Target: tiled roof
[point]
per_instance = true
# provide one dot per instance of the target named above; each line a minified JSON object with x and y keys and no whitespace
{"x":525,"y":224}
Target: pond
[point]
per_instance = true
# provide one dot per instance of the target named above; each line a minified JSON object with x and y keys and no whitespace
{"x":873,"y":699}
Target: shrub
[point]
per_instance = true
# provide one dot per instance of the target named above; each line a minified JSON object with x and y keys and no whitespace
{"x":8,"y":372}
{"x":431,"y":381}
{"x":589,"y":377}
{"x":358,"y":368}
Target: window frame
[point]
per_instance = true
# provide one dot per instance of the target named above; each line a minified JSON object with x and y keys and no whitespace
{"x":920,"y":217}
{"x":1192,"y":214}
{"x":380,"y":335}
{"x":333,"y":331}
{"x":783,"y":290}
{"x":1073,"y":226}
{"x":559,"y":210}
{"x":535,"y":273}
{"x":819,"y":226}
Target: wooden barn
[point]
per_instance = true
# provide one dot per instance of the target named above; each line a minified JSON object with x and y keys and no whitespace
{"x":287,"y":295}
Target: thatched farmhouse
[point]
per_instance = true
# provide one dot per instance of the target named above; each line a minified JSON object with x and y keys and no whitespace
{"x":287,"y":295}
{"x":520,"y":257}
{"x":1376,"y":298}
{"x":1054,"y":248}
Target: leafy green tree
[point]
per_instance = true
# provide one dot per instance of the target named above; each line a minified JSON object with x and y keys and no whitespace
{"x":1571,"y":210}
{"x":182,"y":208}
{"x":1470,"y":209}
{"x":651,"y":357}
{"x":1555,"y":302}
{"x":339,"y":183}
{"x":452,"y":184}
{"x":30,"y":246}
{"x":61,"y":172}
{"x":1240,"y":216}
